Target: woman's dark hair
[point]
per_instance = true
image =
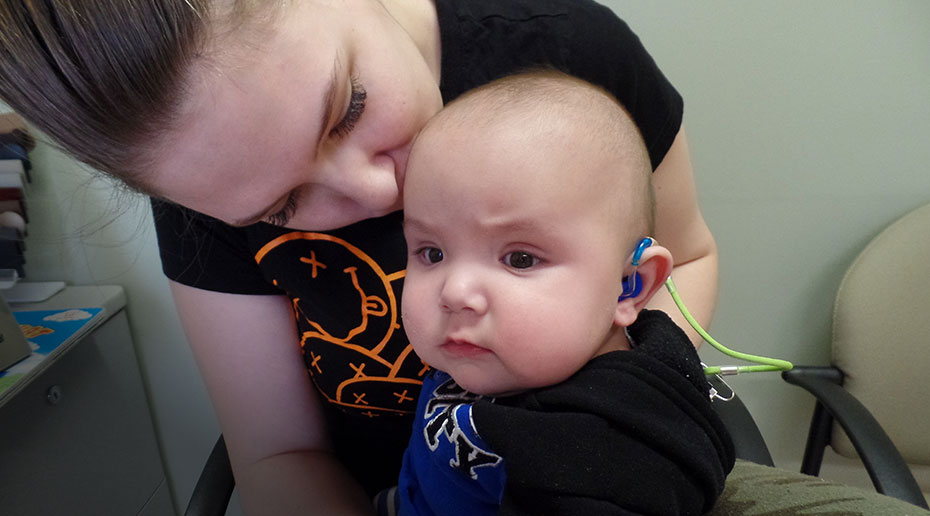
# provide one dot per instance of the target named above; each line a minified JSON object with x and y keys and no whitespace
{"x":103,"y":78}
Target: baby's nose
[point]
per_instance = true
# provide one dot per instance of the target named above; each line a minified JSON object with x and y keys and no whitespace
{"x":462,"y":292}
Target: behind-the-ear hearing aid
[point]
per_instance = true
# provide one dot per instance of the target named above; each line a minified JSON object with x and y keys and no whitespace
{"x":633,"y":285}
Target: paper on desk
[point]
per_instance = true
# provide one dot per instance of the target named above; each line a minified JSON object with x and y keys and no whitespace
{"x":31,"y":291}
{"x":46,"y":331}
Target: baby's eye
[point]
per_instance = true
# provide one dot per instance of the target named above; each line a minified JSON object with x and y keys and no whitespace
{"x":430,"y":255}
{"x":520,"y":260}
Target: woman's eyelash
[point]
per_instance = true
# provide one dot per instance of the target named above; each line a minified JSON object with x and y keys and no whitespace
{"x":354,"y":111}
{"x":283,"y":216}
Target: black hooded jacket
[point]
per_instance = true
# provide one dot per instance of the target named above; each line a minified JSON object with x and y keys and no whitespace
{"x":633,"y":432}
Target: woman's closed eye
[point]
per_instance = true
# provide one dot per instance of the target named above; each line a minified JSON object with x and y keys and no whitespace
{"x":353,"y":111}
{"x":283,"y":216}
{"x":351,"y":117}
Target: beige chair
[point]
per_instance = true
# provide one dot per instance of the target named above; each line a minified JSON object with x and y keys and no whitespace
{"x":881,"y":356}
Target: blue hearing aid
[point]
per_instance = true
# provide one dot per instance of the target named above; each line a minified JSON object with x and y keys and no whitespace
{"x":633,"y":285}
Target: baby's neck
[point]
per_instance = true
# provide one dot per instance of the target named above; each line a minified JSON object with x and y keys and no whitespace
{"x":617,"y":339}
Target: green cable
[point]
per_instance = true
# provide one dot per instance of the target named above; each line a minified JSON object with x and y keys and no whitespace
{"x":767,"y":364}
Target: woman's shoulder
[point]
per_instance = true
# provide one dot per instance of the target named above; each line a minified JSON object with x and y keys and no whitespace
{"x":483,"y":40}
{"x":203,"y":252}
{"x":570,"y":26}
{"x":486,"y":39}
{"x":519,"y":10}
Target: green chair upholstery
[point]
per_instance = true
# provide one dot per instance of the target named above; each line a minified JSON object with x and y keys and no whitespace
{"x":756,"y":490}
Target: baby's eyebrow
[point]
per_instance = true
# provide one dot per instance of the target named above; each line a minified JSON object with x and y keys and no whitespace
{"x":517,"y":226}
{"x":415,"y":225}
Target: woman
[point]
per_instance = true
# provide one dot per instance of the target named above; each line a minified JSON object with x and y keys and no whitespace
{"x":273,"y":139}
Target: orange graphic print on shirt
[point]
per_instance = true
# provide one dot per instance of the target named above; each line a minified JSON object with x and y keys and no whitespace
{"x":348,"y":316}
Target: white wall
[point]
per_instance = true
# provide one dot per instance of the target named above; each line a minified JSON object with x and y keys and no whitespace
{"x":84,"y":231}
{"x":809,"y":125}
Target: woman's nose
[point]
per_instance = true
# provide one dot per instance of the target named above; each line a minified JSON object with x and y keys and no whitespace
{"x":462,"y":293}
{"x":369,"y":180}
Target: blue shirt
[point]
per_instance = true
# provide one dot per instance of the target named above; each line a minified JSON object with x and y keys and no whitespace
{"x":448,"y":469}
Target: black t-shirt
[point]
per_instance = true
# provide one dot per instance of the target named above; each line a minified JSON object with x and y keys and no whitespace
{"x":345,"y":284}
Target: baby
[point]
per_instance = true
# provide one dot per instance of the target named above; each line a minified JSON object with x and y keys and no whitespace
{"x":527,"y":210}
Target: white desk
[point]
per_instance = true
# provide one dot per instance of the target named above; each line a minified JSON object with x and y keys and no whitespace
{"x":77,"y":436}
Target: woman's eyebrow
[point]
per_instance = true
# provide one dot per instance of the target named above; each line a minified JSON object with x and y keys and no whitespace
{"x":329,"y":99}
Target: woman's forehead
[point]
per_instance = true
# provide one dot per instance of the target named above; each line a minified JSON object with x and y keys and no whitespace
{"x":237,"y":128}
{"x":239,"y":98}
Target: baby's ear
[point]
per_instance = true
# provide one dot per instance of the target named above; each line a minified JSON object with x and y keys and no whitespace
{"x":655,"y":266}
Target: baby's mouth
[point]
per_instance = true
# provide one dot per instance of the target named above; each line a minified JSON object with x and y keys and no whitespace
{"x":463,"y":348}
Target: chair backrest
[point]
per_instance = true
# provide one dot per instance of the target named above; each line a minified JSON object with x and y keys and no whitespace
{"x":881,"y":334}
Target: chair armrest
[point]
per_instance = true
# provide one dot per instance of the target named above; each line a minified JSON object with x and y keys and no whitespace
{"x":748,"y":443}
{"x":889,"y":472}
{"x":215,"y":485}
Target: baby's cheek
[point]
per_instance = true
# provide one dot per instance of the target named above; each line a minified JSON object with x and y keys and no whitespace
{"x":414,"y":315}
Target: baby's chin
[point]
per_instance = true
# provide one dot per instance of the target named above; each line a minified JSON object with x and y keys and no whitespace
{"x":504,"y":394}
{"x":488,"y":389}
{"x":480,"y":383}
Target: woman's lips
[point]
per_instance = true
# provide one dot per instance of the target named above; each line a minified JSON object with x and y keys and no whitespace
{"x":463,"y":348}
